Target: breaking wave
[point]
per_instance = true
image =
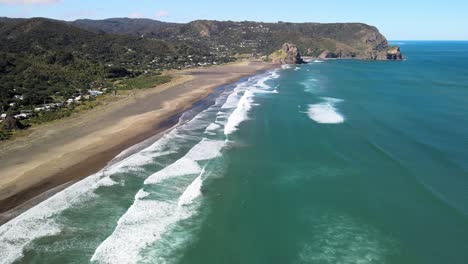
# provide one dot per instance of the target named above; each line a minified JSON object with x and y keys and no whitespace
{"x":325,"y":112}
{"x":137,"y":228}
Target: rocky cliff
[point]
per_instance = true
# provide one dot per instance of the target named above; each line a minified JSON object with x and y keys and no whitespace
{"x":394,"y":53}
{"x":289,"y":54}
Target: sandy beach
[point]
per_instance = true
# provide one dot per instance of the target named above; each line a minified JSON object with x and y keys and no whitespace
{"x":54,"y":155}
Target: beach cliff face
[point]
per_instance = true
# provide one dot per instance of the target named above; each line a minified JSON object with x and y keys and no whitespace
{"x":389,"y":53}
{"x":371,"y":45}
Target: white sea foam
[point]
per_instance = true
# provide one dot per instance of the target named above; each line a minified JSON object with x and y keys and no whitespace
{"x":312,"y":85}
{"x":213,"y":127}
{"x":258,"y":91}
{"x":325,"y":112}
{"x":240,"y":113}
{"x":192,"y":192}
{"x":141,"y":194}
{"x":262,"y":82}
{"x":246,"y":102}
{"x":182,"y":166}
{"x":160,"y":148}
{"x":168,"y":144}
{"x":38,"y":221}
{"x":105,"y":182}
{"x":231,"y":101}
{"x":143,"y":224}
{"x":275,"y":74}
{"x":187,"y":165}
{"x":285,"y":66}
{"x":233,"y":98}
{"x":342,"y":239}
{"x":332,"y":100}
{"x":146,"y":220}
{"x":17,"y":237}
{"x":205,"y":150}
{"x":318,"y":61}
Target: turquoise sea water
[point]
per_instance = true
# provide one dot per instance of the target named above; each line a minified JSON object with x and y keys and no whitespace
{"x":330,"y":162}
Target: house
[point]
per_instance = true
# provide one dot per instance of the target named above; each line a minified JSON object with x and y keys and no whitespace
{"x":22,"y":116}
{"x":95,"y":92}
{"x":37,"y":109}
{"x":3,"y":116}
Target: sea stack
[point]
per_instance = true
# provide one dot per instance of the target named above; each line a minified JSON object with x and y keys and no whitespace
{"x":289,"y":54}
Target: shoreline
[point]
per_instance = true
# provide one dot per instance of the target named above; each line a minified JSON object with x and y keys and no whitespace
{"x":56,"y":155}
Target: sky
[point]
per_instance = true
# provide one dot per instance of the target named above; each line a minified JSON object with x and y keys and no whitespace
{"x":396,"y":19}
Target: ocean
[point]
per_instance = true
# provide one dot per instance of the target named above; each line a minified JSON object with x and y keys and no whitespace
{"x":340,"y":161}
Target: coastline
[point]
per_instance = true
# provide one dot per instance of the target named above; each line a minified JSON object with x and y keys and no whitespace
{"x":56,"y":155}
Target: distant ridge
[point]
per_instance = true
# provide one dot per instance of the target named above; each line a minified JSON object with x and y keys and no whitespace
{"x":330,"y":40}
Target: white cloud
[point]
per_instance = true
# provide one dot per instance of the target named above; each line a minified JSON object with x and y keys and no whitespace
{"x":162,"y":13}
{"x":29,"y":2}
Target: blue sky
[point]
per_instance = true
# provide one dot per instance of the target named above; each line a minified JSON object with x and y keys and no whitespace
{"x":396,"y":19}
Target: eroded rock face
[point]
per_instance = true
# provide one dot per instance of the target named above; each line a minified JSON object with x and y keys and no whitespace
{"x":289,"y":54}
{"x":293,"y":54}
{"x":394,"y":53}
{"x":326,"y":54}
{"x":389,"y":53}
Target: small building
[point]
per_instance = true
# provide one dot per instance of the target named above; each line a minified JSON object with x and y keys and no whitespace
{"x":95,"y":92}
{"x":3,"y":116}
{"x":22,"y":116}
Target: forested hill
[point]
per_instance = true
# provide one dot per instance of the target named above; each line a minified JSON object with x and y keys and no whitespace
{"x":339,"y":40}
{"x":41,"y":36}
{"x":46,"y":62}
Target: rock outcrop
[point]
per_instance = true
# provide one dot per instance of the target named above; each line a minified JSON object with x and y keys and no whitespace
{"x":289,"y":54}
{"x":394,"y":53}
{"x":390,"y":53}
{"x":326,"y":54}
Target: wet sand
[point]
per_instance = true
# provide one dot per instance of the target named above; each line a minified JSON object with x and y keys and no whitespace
{"x":52,"y":156}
